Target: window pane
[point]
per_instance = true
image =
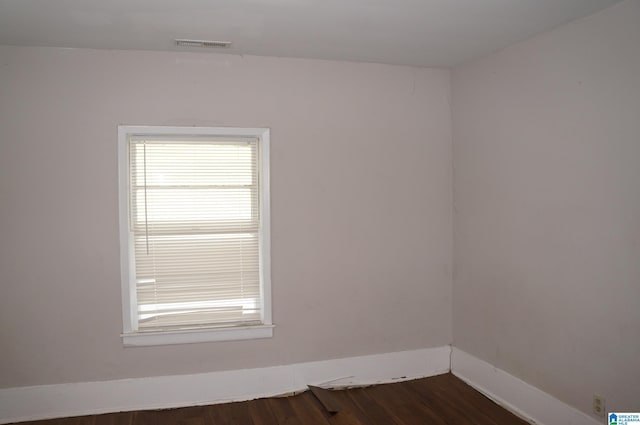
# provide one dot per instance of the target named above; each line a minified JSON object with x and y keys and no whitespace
{"x":194,"y":210}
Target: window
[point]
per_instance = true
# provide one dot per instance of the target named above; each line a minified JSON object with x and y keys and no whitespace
{"x":194,"y":234}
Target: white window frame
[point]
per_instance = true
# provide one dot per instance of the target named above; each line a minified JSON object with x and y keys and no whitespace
{"x":130,"y":336}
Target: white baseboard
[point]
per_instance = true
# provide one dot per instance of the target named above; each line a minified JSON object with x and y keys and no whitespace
{"x":86,"y":398}
{"x":525,"y":400}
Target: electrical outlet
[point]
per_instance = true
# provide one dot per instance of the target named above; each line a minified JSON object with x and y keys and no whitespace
{"x":599,"y":407}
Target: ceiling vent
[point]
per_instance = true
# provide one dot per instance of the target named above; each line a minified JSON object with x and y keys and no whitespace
{"x":182,"y":42}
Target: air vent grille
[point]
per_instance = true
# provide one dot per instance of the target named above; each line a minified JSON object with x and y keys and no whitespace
{"x":183,"y":42}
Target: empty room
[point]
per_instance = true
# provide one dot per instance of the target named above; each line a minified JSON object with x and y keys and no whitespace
{"x":355,"y":212}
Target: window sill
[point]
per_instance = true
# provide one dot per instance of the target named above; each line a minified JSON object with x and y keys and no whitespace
{"x":138,"y":339}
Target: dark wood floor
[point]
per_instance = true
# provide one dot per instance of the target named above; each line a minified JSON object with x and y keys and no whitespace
{"x":439,"y":400}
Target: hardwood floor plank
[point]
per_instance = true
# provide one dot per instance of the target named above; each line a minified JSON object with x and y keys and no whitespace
{"x":182,"y":416}
{"x":345,"y":418}
{"x":216,"y":414}
{"x":450,"y":406}
{"x":240,"y":414}
{"x":146,"y":417}
{"x":326,"y":397}
{"x":233,"y":414}
{"x":284,"y":413}
{"x":475,"y":401}
{"x":367,"y":410}
{"x":309,"y":409}
{"x":76,"y":420}
{"x":403,"y":406}
{"x":121,"y":418}
{"x":261,"y":413}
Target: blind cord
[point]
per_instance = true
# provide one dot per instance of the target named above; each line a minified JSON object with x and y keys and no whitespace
{"x":146,"y":217}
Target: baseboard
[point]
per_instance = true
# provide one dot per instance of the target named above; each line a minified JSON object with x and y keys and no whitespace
{"x":86,"y":398}
{"x":525,"y":400}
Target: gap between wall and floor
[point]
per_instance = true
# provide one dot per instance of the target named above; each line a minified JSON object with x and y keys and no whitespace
{"x":86,"y":398}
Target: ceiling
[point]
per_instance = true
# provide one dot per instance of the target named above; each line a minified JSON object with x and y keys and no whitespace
{"x":439,"y":33}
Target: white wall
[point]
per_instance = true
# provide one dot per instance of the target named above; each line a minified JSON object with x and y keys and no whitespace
{"x":361,"y":205}
{"x":547,"y":209}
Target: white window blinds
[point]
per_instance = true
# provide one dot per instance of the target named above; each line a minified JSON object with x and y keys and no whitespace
{"x":194,"y":217}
